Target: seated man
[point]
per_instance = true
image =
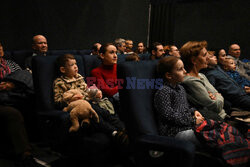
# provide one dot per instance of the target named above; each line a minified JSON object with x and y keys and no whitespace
{"x":120,"y":45}
{"x":40,"y":48}
{"x":157,"y":51}
{"x":129,"y":46}
{"x":243,"y":68}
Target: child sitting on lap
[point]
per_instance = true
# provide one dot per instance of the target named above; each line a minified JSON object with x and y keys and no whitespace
{"x":71,"y":79}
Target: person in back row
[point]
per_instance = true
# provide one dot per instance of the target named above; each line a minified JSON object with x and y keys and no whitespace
{"x":120,"y":45}
{"x":141,"y":48}
{"x":96,"y":48}
{"x":172,"y":50}
{"x":129,"y":46}
{"x":157,"y":51}
{"x":243,"y":68}
{"x":200,"y":92}
{"x":40,"y":48}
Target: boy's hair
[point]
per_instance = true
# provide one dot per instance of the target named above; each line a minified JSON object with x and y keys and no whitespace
{"x":132,"y":57}
{"x":62,"y":60}
{"x":166,"y":64}
{"x":189,"y":50}
{"x":226,"y":63}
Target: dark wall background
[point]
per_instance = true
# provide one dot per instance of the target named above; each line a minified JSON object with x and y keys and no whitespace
{"x":220,"y":22}
{"x":72,"y":24}
{"x":77,"y":24}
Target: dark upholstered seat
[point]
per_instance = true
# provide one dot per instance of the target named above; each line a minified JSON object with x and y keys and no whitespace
{"x":136,"y":98}
{"x":54,"y":124}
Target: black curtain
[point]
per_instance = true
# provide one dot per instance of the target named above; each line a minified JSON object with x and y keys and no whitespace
{"x":162,"y":23}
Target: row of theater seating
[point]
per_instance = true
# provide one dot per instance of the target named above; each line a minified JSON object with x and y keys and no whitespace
{"x":19,"y":56}
{"x":137,"y":112}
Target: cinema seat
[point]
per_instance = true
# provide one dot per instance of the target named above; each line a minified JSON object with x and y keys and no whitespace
{"x":54,"y":124}
{"x":136,"y":100}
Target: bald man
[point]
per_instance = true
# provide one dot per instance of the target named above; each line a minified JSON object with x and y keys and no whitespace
{"x":40,"y":48}
{"x":243,"y":68}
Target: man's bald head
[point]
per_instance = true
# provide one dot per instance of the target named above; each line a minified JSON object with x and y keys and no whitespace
{"x":39,"y":44}
{"x":234,"y":50}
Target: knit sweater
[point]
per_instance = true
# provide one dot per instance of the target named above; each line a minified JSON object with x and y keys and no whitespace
{"x":198,"y":94}
{"x":106,"y":79}
{"x":173,"y":111}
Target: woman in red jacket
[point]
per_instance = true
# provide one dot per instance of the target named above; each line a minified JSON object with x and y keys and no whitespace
{"x":106,"y":76}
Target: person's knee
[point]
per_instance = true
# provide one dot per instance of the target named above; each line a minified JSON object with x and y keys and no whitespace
{"x":10,"y":114}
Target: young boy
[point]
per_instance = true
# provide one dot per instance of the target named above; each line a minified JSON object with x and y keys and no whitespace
{"x":229,"y":67}
{"x":71,"y":79}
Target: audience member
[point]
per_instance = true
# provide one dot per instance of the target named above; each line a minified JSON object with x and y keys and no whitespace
{"x":132,"y":57}
{"x":141,"y":48}
{"x":232,"y":92}
{"x":176,"y":117}
{"x":6,"y":66}
{"x":14,"y":141}
{"x":95,"y":49}
{"x":230,"y":68}
{"x":241,"y":67}
{"x":120,"y":46}
{"x":200,"y":92}
{"x":171,"y":50}
{"x":221,"y":56}
{"x":71,"y":79}
{"x":40,"y":48}
{"x":129,"y":46}
{"x":106,"y":75}
{"x":157,"y":51}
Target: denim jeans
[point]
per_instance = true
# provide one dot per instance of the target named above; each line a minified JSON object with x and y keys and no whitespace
{"x":188,"y":135}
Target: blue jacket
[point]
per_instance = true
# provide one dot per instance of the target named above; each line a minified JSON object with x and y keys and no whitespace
{"x":230,"y":90}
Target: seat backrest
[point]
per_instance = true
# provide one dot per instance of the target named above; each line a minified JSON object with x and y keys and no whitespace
{"x":62,"y":52}
{"x":90,"y":62}
{"x":44,"y":73}
{"x":84,"y":52}
{"x":137,"y":94}
{"x":145,"y":56}
{"x":19,"y":56}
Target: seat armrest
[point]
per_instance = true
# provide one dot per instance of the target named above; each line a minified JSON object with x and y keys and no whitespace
{"x":164,"y":143}
{"x":164,"y":150}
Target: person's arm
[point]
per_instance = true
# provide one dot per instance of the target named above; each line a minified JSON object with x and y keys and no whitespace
{"x":108,"y":89}
{"x":165,"y":112}
{"x":7,"y":86}
{"x":198,"y":94}
{"x":58,"y":94}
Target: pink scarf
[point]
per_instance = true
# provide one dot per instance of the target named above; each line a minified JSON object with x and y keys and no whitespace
{"x":4,"y":69}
